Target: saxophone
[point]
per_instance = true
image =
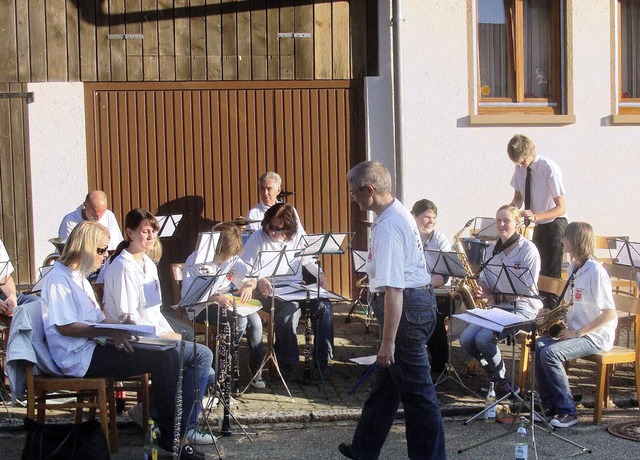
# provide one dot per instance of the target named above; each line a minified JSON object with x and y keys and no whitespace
{"x":468,"y":284}
{"x":551,"y":322}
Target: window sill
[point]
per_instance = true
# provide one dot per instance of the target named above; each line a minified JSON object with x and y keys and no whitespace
{"x":625,"y":119}
{"x":521,"y":119}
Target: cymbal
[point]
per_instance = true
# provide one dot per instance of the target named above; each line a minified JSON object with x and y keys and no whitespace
{"x":241,"y":221}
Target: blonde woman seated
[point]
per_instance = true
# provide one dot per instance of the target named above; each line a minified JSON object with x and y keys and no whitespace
{"x":512,"y":250}
{"x":227,"y":261}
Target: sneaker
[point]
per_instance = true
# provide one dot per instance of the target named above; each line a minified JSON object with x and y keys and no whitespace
{"x":507,"y":388}
{"x":135,"y":414}
{"x":200,"y":436}
{"x":258,"y":382}
{"x":346,"y":450}
{"x":187,"y":452}
{"x":563,"y":420}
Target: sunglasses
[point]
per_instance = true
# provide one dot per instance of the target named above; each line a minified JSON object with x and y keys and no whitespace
{"x":102,"y":251}
{"x":276,"y":229}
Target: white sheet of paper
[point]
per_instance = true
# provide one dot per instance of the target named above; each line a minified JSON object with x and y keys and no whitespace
{"x":365,"y":360}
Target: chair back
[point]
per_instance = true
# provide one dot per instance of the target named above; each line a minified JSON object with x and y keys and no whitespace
{"x":177,"y":276}
{"x":550,"y":284}
{"x":623,"y":278}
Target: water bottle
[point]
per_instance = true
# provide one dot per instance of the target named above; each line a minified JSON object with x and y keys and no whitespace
{"x":490,"y":413}
{"x":150,"y":447}
{"x":522,"y":447}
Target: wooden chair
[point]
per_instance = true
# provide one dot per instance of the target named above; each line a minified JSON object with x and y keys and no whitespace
{"x":546,"y":284}
{"x":605,"y":360}
{"x":623,"y":279}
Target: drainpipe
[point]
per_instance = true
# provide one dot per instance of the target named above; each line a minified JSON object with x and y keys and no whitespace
{"x":396,"y":22}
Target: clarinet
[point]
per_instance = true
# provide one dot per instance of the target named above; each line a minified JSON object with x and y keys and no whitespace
{"x":225,"y":369}
{"x":306,"y":377}
{"x":235,"y":340}
{"x":177,"y":420}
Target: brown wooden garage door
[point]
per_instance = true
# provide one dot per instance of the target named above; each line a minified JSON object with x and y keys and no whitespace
{"x":198,"y":148}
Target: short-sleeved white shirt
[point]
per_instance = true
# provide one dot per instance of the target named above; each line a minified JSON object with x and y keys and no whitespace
{"x":6,"y":267}
{"x":591,"y":296}
{"x":260,"y":241}
{"x":257,"y":213}
{"x":524,"y":255}
{"x":395,"y":258}
{"x":108,"y":220}
{"x":133,"y":289}
{"x":546,"y":184}
{"x":69,"y":298}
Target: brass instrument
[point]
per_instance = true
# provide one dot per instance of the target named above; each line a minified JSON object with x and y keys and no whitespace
{"x":468,"y":284}
{"x":551,"y":322}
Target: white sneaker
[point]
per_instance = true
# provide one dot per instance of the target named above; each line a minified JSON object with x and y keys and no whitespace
{"x":135,"y":414}
{"x":200,"y":436}
{"x":258,"y":382}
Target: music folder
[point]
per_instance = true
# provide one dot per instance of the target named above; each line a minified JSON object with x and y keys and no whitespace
{"x":148,"y":343}
{"x":494,"y":319}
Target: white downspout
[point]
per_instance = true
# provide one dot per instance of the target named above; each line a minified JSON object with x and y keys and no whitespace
{"x":396,"y":22}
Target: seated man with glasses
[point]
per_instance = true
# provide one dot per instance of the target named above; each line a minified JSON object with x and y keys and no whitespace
{"x":280,"y":231}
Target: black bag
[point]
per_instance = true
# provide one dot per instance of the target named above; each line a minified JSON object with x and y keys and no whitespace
{"x":65,"y":441}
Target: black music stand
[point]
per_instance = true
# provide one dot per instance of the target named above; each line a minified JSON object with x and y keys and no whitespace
{"x":507,"y":281}
{"x":359,"y":259}
{"x":272,"y":265}
{"x":42,"y":273}
{"x":168,"y":224}
{"x":627,"y":253}
{"x":448,"y":263}
{"x":316,"y":245}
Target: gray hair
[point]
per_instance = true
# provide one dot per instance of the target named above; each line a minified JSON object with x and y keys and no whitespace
{"x":371,"y":173}
{"x":274,"y":176}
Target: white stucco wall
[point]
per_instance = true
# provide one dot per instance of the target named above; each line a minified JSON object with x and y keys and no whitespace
{"x":58,"y":157}
{"x":465,"y":169}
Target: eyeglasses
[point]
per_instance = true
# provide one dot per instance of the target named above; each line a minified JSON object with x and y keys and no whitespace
{"x":102,"y":251}
{"x":352,"y":193}
{"x":276,"y":229}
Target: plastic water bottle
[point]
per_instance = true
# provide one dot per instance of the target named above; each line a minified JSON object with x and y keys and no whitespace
{"x":490,"y":413}
{"x":522,"y":446}
{"x":150,"y":447}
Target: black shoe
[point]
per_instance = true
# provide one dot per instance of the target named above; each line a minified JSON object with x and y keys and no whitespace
{"x":346,"y":450}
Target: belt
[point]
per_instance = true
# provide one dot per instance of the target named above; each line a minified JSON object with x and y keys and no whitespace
{"x":375,"y":295}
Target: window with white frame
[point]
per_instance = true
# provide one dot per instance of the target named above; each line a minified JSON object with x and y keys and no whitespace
{"x":520,"y":56}
{"x":629,"y":57}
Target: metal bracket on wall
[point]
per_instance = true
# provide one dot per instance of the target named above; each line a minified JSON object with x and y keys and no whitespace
{"x":19,"y":95}
{"x":125,"y":36}
{"x":294,"y":35}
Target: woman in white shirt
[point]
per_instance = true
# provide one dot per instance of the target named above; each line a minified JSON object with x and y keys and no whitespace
{"x":280,"y":231}
{"x":70,"y":311}
{"x":514,"y":251}
{"x":591,"y":325}
{"x":425,"y":214}
{"x":132,"y":294}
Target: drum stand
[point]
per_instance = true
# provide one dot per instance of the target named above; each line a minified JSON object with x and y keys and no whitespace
{"x":532,"y":414}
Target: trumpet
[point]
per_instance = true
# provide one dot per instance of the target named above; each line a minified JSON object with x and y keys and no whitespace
{"x":468,"y":284}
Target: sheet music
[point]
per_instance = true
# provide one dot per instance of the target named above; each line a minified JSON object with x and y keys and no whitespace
{"x":484,"y":228}
{"x":445,"y":263}
{"x":206,"y":247}
{"x":359,"y":260}
{"x":495,"y":319}
{"x":331,"y":243}
{"x":168,"y":224}
{"x":365,"y":360}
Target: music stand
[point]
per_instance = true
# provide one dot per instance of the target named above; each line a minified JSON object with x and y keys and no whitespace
{"x":168,"y":225}
{"x":448,"y":263}
{"x":484,"y":228}
{"x":6,"y":267}
{"x":272,"y":264}
{"x":359,"y":259}
{"x":42,"y":273}
{"x":627,"y":253}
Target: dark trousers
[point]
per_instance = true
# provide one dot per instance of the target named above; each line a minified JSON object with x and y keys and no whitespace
{"x":547,"y":238}
{"x":163,"y":366}
{"x":438,"y":344}
{"x":408,"y":380}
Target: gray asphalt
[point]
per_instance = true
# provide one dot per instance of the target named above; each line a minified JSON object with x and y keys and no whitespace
{"x":319,"y":440}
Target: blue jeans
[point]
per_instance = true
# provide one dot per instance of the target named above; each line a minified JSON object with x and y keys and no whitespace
{"x":195,"y":362}
{"x":408,"y":380}
{"x":287,"y":317}
{"x":553,"y":384}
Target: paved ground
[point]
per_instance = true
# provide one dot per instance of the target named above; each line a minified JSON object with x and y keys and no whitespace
{"x":295,"y":423}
